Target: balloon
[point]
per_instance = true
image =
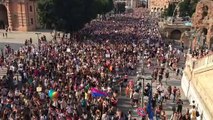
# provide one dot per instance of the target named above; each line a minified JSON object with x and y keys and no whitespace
{"x":55,"y":95}
{"x":51,"y":91}
{"x":110,"y":68}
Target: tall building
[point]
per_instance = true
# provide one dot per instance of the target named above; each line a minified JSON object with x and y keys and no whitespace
{"x":18,"y":15}
{"x":197,"y":80}
{"x":160,"y":5}
{"x":203,"y":24}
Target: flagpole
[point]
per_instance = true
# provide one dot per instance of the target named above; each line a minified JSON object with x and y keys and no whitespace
{"x":142,"y":101}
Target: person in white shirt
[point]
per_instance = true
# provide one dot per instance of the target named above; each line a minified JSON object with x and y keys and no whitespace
{"x":192,"y":113}
{"x":20,"y":67}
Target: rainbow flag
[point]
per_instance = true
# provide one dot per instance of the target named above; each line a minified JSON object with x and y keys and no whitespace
{"x":98,"y":93}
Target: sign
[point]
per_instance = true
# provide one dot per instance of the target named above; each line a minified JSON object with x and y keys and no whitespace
{"x":188,"y":24}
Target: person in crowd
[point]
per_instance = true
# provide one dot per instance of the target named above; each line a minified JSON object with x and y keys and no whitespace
{"x":95,"y":57}
{"x":179,"y":106}
{"x":192,"y":113}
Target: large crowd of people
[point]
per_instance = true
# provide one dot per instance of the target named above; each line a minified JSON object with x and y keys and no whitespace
{"x":101,"y":56}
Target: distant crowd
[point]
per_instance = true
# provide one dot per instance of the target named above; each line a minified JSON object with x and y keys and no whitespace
{"x":100,"y":56}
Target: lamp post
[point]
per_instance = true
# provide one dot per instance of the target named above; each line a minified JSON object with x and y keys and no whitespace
{"x":38,"y":35}
{"x":39,"y":42}
{"x":39,"y":47}
{"x":142,"y":97}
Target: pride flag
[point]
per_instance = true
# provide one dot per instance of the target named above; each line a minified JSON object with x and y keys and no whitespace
{"x":98,"y":93}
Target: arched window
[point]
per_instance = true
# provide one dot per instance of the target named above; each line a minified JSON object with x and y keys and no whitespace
{"x":3,"y":17}
{"x":175,"y":35}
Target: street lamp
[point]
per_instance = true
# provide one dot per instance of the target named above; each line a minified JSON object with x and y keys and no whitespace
{"x":142,"y":97}
{"x":38,"y":34}
{"x":39,"y":47}
{"x":143,"y":78}
{"x":38,"y":40}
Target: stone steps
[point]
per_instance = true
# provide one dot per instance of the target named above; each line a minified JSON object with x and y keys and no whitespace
{"x":3,"y":71}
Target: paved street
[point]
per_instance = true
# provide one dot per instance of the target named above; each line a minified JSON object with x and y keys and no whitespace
{"x":20,"y":37}
{"x":14,"y":46}
{"x":124,"y":102}
{"x":16,"y":40}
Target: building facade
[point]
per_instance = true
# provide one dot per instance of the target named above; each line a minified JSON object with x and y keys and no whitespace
{"x":197,"y":84}
{"x":130,"y":3}
{"x":18,"y":15}
{"x":158,"y":6}
{"x":203,"y":24}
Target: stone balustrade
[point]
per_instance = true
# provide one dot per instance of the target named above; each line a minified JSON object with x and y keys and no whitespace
{"x":203,"y":62}
{"x":197,"y":83}
{"x":199,"y":63}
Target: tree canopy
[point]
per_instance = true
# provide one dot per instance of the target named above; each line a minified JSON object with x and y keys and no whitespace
{"x":186,"y":8}
{"x":169,"y":11}
{"x":71,"y":15}
{"x":120,"y":7}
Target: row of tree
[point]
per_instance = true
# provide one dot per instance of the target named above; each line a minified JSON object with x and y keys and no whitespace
{"x":71,"y":15}
{"x":186,"y":8}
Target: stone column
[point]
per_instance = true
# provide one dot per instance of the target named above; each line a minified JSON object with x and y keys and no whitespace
{"x":9,"y":14}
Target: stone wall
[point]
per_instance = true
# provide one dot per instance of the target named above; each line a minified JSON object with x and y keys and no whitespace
{"x":158,"y":5}
{"x":22,"y":15}
{"x":169,"y":31}
{"x":203,"y":21}
{"x":197,"y":83}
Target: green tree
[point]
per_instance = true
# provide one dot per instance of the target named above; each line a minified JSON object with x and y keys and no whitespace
{"x":46,"y":13}
{"x":71,"y":15}
{"x":104,"y":6}
{"x":120,"y":7}
{"x":187,"y":7}
{"x":169,"y":11}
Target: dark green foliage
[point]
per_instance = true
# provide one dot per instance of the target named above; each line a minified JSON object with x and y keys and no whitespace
{"x":188,"y":7}
{"x":120,"y":7}
{"x":169,"y":11}
{"x":71,"y":15}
